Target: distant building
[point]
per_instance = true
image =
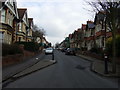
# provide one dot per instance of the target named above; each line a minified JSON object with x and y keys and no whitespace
{"x":90,"y":33}
{"x":83,"y":44}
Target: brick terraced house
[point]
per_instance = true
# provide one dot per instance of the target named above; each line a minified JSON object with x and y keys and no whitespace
{"x":8,"y":21}
{"x":23,"y":25}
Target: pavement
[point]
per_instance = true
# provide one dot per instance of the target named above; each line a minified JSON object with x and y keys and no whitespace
{"x":40,"y":65}
{"x":98,"y":66}
{"x":25,"y":67}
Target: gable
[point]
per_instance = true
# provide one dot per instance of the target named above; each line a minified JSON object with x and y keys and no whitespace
{"x":15,"y":8}
{"x":10,"y":5}
{"x":25,"y":18}
{"x":21,"y":13}
{"x":30,"y":20}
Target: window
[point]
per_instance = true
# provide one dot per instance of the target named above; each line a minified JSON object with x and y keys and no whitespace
{"x":31,"y":26}
{"x":10,"y":19}
{"x":3,"y":16}
{"x":1,"y":36}
{"x":20,"y":27}
{"x":9,"y":38}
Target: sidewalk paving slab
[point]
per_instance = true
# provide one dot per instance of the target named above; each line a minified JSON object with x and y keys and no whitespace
{"x":98,"y":66}
{"x":9,"y":71}
{"x":40,"y":65}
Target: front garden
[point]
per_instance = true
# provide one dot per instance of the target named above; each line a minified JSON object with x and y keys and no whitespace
{"x":17,"y":52}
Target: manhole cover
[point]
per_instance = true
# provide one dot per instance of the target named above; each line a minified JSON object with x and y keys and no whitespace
{"x":80,"y":67}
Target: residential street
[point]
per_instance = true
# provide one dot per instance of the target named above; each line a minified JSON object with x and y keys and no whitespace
{"x":68,"y":72}
{"x":60,"y":44}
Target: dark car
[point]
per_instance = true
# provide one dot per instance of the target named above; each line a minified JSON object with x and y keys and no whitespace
{"x":63,"y":49}
{"x":70,"y":51}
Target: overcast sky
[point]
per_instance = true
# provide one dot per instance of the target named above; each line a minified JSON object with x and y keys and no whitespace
{"x":58,"y":18}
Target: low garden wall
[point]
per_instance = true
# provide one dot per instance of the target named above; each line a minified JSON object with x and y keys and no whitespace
{"x":13,"y":59}
{"x":99,"y":57}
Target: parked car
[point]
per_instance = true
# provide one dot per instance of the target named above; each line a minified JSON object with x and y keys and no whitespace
{"x":70,"y":51}
{"x":49,"y":51}
{"x":64,"y":49}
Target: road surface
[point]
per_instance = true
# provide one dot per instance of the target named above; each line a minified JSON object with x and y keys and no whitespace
{"x":68,"y":72}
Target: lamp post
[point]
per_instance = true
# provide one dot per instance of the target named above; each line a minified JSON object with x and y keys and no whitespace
{"x":105,"y":53}
{"x":106,"y":63}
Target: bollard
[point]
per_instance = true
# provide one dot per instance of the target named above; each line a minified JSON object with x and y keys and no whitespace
{"x":53,"y":56}
{"x":106,"y":63}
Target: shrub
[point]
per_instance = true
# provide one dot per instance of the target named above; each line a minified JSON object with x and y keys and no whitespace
{"x":10,"y":49}
{"x":109,"y":46}
{"x":83,"y":48}
{"x":96,"y":50}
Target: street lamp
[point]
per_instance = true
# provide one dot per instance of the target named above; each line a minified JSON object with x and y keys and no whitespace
{"x":105,"y":54}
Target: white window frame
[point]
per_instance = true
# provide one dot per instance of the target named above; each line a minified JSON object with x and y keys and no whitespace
{"x":20,"y":26}
{"x":3,"y":16}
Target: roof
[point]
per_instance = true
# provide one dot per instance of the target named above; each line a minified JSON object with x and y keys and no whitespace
{"x":83,"y":26}
{"x":70,"y":35}
{"x":3,"y":0}
{"x":30,"y":21}
{"x":90,"y":24}
{"x":79,"y":30}
{"x":75,"y":32}
{"x":21,"y":12}
{"x":99,"y":16}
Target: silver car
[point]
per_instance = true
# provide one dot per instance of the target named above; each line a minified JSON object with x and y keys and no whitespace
{"x":49,"y":51}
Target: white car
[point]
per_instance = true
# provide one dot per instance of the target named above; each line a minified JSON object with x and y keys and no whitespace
{"x":49,"y":51}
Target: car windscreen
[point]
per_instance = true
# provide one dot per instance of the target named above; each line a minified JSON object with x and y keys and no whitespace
{"x":49,"y":49}
{"x":71,"y":49}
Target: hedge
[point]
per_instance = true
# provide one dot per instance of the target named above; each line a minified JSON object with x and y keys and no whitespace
{"x":10,"y":49}
{"x":30,"y":46}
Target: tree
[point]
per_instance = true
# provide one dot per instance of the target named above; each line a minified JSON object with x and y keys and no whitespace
{"x":49,"y":44}
{"x":37,"y":32}
{"x":57,"y":45}
{"x":111,"y":9}
{"x":109,"y":45}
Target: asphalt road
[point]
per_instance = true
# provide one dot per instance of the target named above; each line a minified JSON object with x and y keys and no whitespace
{"x":68,"y":72}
